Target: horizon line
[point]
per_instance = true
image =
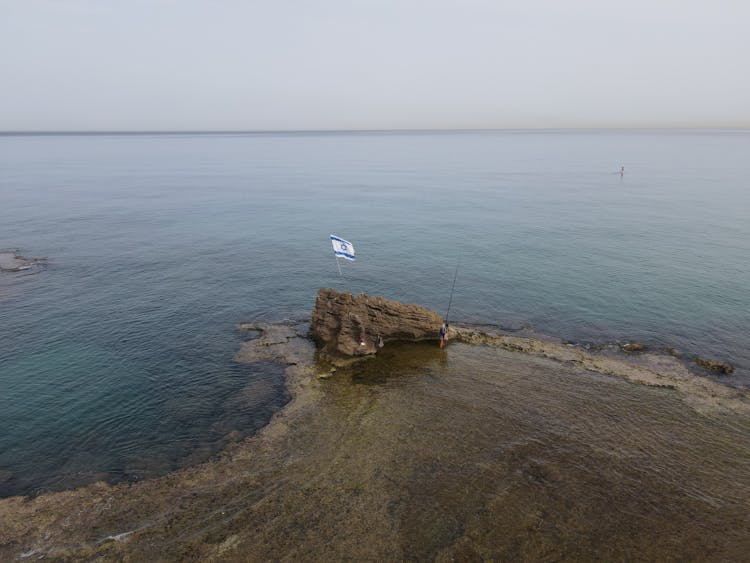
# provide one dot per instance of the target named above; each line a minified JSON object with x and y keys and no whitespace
{"x":319,"y":131}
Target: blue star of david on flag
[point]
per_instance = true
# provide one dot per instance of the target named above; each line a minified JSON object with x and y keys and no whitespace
{"x":342,"y":248}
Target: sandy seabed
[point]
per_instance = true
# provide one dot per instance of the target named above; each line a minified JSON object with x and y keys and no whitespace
{"x":498,"y":447}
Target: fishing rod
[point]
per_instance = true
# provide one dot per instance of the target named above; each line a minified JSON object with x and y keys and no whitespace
{"x":455,"y":275}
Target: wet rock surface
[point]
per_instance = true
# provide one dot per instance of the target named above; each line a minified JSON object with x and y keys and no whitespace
{"x":633,"y":347}
{"x":344,"y":325}
{"x":653,"y":370}
{"x":715,"y":365}
{"x":11,"y":261}
{"x":280,"y":343}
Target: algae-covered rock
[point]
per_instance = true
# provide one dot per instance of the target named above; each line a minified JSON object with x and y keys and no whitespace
{"x":715,"y":365}
{"x":634,"y":347}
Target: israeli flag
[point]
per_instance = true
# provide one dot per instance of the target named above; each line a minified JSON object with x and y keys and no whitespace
{"x":342,"y":248}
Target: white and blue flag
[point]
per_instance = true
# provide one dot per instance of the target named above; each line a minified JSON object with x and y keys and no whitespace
{"x":342,"y":248}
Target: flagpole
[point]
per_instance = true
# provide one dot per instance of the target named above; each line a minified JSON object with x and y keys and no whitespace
{"x":338,"y":264}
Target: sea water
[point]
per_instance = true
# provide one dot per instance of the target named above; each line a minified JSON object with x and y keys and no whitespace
{"x":116,"y":357}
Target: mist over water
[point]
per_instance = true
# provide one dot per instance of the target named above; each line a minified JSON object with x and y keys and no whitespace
{"x":116,"y":357}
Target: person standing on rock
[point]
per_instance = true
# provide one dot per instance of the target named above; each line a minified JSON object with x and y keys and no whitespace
{"x":443,"y":334}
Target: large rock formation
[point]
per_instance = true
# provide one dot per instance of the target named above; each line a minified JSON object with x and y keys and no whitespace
{"x":346,"y":325}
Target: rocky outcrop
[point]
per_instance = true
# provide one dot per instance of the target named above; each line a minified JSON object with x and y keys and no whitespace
{"x":281,"y":343}
{"x":11,"y":261}
{"x":633,"y":347}
{"x":344,"y":325}
{"x":715,"y":365}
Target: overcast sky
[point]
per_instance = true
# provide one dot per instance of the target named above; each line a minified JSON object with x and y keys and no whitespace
{"x":372,"y":64}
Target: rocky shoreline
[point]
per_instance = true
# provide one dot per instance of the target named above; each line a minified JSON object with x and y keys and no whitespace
{"x":348,"y":327}
{"x":283,"y":344}
{"x":648,"y":368}
{"x":306,"y":469}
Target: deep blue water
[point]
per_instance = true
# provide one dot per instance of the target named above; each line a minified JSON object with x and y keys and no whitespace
{"x":116,"y":358}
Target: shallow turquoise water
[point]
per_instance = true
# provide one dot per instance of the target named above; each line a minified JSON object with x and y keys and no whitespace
{"x":115,"y":359}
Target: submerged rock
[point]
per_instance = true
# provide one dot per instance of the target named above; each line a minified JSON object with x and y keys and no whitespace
{"x":278,"y":343}
{"x":11,"y":261}
{"x":345,"y":325}
{"x":633,"y":347}
{"x":715,"y":365}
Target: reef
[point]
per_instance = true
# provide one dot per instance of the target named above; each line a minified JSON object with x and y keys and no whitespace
{"x":650,"y":369}
{"x":500,"y":447}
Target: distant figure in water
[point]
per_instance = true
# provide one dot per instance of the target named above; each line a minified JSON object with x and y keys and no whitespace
{"x":443,"y":334}
{"x":622,"y":171}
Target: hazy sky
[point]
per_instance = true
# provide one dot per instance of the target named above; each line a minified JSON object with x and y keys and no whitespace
{"x":372,"y":64}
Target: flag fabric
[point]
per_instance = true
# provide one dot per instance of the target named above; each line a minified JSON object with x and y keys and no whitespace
{"x":342,"y":248}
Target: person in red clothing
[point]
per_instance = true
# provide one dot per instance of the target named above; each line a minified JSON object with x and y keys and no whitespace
{"x":443,"y":334}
